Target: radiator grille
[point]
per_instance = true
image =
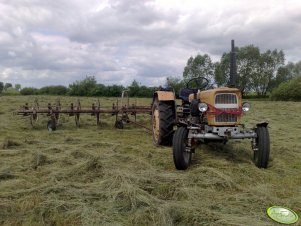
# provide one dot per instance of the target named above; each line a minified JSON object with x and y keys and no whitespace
{"x":226,"y":117}
{"x":226,"y":101}
{"x":225,"y":98}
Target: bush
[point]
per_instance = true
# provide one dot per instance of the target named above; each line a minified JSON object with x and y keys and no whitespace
{"x":99,"y":90}
{"x":84,"y":87}
{"x":254,"y":96}
{"x":290,"y":90}
{"x":29,"y":91}
{"x":10,"y":91}
{"x":114,"y":91}
{"x":54,"y":90}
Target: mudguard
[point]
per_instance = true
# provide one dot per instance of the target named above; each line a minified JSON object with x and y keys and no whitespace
{"x":164,"y":95}
{"x":263,"y":123}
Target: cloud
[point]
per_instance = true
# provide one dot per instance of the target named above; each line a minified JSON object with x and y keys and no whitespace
{"x":58,"y":42}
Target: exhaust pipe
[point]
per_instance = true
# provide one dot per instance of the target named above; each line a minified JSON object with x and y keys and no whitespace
{"x":232,"y":81}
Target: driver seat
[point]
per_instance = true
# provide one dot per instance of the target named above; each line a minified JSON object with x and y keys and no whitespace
{"x":185,"y":92}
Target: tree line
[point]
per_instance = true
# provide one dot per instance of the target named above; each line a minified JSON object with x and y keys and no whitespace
{"x":258,"y":73}
{"x":9,"y":89}
{"x":90,"y":87}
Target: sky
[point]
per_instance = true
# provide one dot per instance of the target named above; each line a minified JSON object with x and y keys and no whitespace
{"x":47,"y":42}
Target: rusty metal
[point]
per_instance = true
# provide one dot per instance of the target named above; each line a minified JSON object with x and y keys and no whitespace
{"x":149,"y":130}
{"x":122,"y":110}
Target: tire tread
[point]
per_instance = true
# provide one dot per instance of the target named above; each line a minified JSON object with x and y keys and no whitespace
{"x":167,"y":118}
{"x":263,"y":147}
{"x":178,"y":149}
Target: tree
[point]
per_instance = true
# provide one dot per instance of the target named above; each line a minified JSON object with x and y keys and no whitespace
{"x":146,"y":91}
{"x":114,"y":91}
{"x":283,"y":75}
{"x":85,"y":87}
{"x":99,"y":90}
{"x":29,"y":91}
{"x":222,"y":70}
{"x":288,"y":91}
{"x":175,"y":83}
{"x":255,"y":70}
{"x":134,"y":89}
{"x":247,"y":59}
{"x":269,"y":64}
{"x":1,"y":87}
{"x":286,"y":73}
{"x":53,"y":90}
{"x":17,"y":87}
{"x":201,"y":65}
{"x":294,"y":69}
{"x":247,"y":67}
{"x":7,"y":85}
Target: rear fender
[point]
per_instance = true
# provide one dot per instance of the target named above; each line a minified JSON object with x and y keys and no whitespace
{"x":164,"y":95}
{"x":264,"y":124}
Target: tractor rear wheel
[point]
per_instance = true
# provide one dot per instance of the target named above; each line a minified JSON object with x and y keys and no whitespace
{"x":163,"y":117}
{"x":181,"y":157}
{"x":262,"y":149}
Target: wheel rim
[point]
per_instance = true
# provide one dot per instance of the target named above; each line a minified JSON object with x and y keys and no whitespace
{"x":156,"y":124}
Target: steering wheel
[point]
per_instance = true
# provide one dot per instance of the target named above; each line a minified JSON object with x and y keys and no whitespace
{"x":199,"y":82}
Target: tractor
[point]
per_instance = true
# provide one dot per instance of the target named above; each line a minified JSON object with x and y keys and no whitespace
{"x":205,"y":116}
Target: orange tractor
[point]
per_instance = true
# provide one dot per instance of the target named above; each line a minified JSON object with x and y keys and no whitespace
{"x":205,"y":116}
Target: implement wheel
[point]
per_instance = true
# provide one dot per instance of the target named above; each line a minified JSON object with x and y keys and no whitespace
{"x":119,"y":124}
{"x":181,"y":157}
{"x":163,"y":117}
{"x":262,"y":148}
{"x":51,"y":126}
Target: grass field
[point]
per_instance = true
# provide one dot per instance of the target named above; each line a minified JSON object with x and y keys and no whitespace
{"x":105,"y":176}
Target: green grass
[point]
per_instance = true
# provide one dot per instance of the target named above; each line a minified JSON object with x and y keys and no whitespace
{"x":104,"y":176}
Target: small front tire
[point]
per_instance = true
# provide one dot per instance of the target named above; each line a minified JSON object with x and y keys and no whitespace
{"x":262,"y":148}
{"x":181,"y":157}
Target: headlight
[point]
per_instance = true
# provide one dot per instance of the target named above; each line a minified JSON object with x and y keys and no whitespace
{"x":203,"y":107}
{"x":245,"y":107}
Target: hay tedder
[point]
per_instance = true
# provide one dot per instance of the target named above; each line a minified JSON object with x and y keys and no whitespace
{"x":122,"y":110}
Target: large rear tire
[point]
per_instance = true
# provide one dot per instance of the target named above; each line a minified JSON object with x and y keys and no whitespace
{"x":163,"y":118}
{"x":181,"y":157}
{"x":262,"y":149}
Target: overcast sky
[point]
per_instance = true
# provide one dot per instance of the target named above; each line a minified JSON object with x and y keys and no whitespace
{"x":51,"y":42}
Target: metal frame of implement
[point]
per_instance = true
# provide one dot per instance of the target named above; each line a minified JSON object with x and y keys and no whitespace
{"x":121,"y":113}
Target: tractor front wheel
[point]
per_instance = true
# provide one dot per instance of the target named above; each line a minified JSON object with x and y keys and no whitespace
{"x":262,"y":147}
{"x":181,"y":157}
